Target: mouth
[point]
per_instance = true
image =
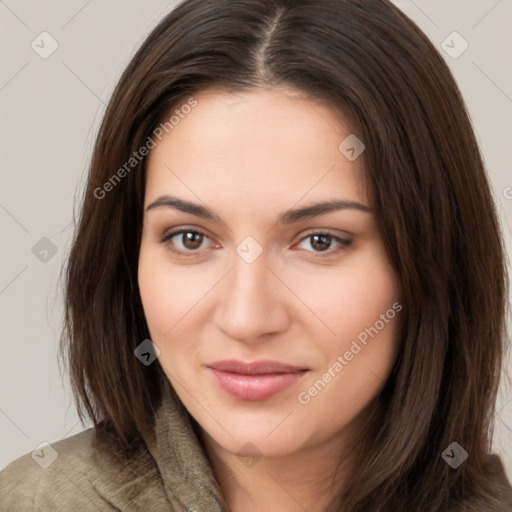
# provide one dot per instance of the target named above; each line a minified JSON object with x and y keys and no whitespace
{"x":259,"y":380}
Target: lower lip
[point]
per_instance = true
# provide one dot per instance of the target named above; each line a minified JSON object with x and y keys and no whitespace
{"x":255,"y":387}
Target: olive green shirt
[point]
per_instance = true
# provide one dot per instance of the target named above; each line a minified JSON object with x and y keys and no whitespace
{"x":172,"y":474}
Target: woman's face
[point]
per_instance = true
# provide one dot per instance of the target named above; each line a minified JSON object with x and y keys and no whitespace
{"x":238,"y":266}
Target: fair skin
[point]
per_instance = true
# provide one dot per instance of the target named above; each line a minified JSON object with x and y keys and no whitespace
{"x":303,"y":301}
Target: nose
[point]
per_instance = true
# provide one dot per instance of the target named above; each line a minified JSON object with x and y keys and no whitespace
{"x":253,"y":302}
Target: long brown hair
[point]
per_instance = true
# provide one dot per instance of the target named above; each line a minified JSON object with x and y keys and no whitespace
{"x":433,"y":204}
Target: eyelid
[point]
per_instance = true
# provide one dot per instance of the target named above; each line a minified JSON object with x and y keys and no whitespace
{"x":343,"y":242}
{"x":321,"y":231}
{"x":184,"y":229}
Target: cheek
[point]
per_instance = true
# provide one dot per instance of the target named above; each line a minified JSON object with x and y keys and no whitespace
{"x":349,"y":299}
{"x":168,"y":295}
{"x":365,"y":314}
{"x":175,"y":302}
{"x":360,"y":310}
{"x":156,"y":294}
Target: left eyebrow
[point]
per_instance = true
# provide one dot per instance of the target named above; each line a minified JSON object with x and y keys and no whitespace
{"x":317,"y":209}
{"x":287,"y":217}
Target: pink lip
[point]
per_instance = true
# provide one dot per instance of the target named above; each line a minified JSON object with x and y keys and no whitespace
{"x":255,"y":381}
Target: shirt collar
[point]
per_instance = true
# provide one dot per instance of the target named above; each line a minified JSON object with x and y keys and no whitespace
{"x":186,"y":473}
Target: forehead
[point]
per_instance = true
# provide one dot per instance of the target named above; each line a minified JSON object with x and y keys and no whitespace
{"x":272,"y":144}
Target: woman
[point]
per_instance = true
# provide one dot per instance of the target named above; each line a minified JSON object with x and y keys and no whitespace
{"x":287,"y":288}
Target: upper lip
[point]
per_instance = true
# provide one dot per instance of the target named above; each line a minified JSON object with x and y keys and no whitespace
{"x":254,"y":368}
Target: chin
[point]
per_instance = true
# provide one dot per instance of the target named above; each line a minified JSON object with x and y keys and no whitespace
{"x":257,"y":440}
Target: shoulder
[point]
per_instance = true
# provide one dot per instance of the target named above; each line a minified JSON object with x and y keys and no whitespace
{"x":503,"y":489}
{"x":498,"y":495}
{"x":72,"y":474}
{"x":48,"y":476}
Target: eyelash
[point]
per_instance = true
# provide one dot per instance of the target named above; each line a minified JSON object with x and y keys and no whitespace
{"x":343,"y":243}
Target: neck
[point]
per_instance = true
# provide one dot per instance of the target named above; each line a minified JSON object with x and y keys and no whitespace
{"x":305,"y":480}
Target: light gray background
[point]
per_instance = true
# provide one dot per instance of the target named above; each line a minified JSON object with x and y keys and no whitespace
{"x":50,"y":112}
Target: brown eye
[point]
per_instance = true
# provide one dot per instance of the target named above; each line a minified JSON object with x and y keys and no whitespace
{"x":185,"y":242}
{"x":323,"y":242}
{"x":192,"y":239}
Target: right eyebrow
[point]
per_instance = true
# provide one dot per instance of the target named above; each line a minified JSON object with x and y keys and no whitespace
{"x":184,"y":206}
